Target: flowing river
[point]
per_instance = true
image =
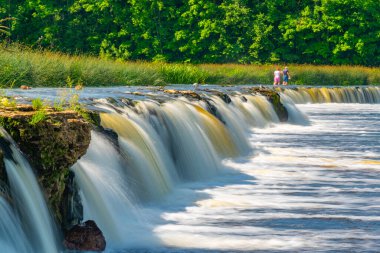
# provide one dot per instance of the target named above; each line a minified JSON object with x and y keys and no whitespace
{"x":308,"y":188}
{"x":183,"y":180}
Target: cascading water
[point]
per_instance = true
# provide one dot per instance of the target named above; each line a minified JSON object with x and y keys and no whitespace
{"x":29,"y":203}
{"x":107,"y":199}
{"x":235,"y":122}
{"x":251,"y":113}
{"x":165,"y":145}
{"x":294,"y":114}
{"x":195,"y":139}
{"x":216,"y":132}
{"x":265,"y":108}
{"x":303,"y":95}
{"x":12,"y":236}
{"x":142,"y":147}
{"x":193,"y":153}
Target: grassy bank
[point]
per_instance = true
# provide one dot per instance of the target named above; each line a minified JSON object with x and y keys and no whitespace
{"x":46,"y":69}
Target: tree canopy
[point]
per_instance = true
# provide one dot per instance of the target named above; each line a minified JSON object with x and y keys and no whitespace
{"x":202,"y":31}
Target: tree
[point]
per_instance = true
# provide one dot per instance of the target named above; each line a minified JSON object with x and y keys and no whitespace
{"x":216,"y":31}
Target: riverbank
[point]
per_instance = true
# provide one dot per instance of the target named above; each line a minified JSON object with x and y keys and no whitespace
{"x":48,"y":69}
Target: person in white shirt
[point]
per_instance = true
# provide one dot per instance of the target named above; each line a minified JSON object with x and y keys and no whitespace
{"x":277,"y":77}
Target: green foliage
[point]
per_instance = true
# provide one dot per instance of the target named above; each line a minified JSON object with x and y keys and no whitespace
{"x":58,"y":105}
{"x":37,"y":117}
{"x":208,"y":31}
{"x":69,"y":82}
{"x":37,"y":104}
{"x":182,"y":73}
{"x":23,"y":66}
{"x":8,"y":102}
{"x":68,"y":97}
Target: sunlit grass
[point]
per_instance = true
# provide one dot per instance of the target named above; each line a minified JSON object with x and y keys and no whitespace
{"x":22,"y":66}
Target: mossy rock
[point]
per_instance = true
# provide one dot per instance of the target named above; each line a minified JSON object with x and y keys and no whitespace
{"x":52,"y":145}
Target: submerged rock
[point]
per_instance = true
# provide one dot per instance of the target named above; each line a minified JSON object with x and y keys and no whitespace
{"x":85,"y":236}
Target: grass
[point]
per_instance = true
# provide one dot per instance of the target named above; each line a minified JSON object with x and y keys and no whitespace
{"x":37,"y":104}
{"x":37,"y":117}
{"x":41,"y":68}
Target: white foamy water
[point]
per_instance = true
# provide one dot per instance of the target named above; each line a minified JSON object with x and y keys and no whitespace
{"x":313,"y":188}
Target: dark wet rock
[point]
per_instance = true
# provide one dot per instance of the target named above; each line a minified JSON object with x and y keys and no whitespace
{"x":71,"y":204}
{"x":110,"y":134}
{"x":222,"y":95}
{"x":85,"y":237}
{"x":5,"y":152}
{"x":211,"y":108}
{"x":225,"y":98}
{"x":5,"y":191}
{"x":186,"y":93}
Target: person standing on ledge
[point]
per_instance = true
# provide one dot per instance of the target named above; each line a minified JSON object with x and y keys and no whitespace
{"x":285,"y":72}
{"x":277,"y":76}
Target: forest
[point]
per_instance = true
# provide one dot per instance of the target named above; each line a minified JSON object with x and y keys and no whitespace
{"x":337,"y":32}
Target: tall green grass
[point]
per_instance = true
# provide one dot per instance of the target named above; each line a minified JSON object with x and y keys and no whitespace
{"x":41,"y":68}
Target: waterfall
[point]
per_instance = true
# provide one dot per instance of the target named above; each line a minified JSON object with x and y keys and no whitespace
{"x":302,"y":95}
{"x":143,"y":149}
{"x":295,"y":116}
{"x":235,"y":122}
{"x":218,"y":134}
{"x":252,"y":114}
{"x":265,"y":107}
{"x":191,"y":149}
{"x":29,"y":202}
{"x":159,"y":145}
{"x":12,"y":236}
{"x":106,"y":196}
{"x":185,"y":138}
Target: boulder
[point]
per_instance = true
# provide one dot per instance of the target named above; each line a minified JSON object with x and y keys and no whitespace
{"x":52,"y":144}
{"x":86,"y":236}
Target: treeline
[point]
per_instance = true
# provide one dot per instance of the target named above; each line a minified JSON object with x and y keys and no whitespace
{"x":202,"y":31}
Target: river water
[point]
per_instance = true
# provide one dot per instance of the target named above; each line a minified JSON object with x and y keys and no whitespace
{"x":164,"y":184}
{"x":313,"y":188}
